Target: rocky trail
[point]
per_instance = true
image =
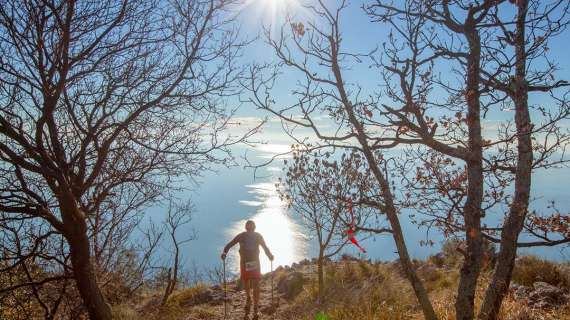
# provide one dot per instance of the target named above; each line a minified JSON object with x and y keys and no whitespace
{"x":236,"y":301}
{"x":271,"y":300}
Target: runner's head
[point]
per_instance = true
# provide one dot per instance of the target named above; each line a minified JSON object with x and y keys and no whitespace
{"x":250,"y":226}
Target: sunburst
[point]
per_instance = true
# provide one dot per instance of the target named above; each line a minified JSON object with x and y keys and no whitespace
{"x":270,"y":12}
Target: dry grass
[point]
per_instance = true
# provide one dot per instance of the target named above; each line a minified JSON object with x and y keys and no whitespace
{"x":357,"y":290}
{"x":530,"y":269}
{"x":124,"y":312}
{"x":379,"y":291}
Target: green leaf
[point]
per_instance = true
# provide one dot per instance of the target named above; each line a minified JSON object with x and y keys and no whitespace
{"x":321,"y":316}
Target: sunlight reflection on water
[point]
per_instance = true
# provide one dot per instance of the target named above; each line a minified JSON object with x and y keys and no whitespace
{"x":283,"y":235}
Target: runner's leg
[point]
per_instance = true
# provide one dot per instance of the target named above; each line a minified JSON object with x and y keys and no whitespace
{"x":255,"y":283}
{"x":247,"y":285}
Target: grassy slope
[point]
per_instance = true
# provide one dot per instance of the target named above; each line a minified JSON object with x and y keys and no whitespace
{"x":363,"y":290}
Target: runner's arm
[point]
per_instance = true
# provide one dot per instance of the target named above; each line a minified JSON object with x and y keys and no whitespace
{"x":265,"y":248}
{"x":231,"y":243}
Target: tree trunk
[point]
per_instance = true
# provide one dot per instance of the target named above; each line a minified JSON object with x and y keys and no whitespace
{"x":519,"y":207}
{"x":464,"y":304}
{"x":86,"y":279}
{"x":172,"y":276}
{"x":83,"y":270}
{"x":397,"y":233}
{"x":469,"y":274}
{"x":321,"y":280}
{"x":391,"y":212}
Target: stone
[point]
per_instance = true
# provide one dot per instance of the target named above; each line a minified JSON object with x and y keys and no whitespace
{"x":291,"y":285}
{"x":520,"y":292}
{"x":202,"y":296}
{"x":546,"y":296}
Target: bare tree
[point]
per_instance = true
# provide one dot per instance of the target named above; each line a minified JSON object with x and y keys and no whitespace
{"x":102,"y":105}
{"x":444,"y":66}
{"x":535,"y":24}
{"x":316,"y":52}
{"x":321,"y":190}
{"x":178,"y":216}
{"x":478,"y":46}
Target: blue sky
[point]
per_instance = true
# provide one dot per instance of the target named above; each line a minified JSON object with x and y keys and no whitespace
{"x":359,"y":36}
{"x":224,"y":200}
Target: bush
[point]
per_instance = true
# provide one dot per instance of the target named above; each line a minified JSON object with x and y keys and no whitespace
{"x":452,"y":257}
{"x":438,"y":260}
{"x":530,"y":269}
{"x":189,"y":297}
{"x":203,"y":312}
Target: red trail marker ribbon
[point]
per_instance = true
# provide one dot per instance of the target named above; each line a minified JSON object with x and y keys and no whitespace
{"x":350,"y":231}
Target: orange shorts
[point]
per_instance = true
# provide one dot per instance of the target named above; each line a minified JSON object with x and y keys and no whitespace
{"x":250,"y":270}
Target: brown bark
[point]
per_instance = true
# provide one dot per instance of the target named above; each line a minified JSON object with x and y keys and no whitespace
{"x":86,"y":280}
{"x":397,"y":233}
{"x":320,"y":272}
{"x":464,"y":304}
{"x":172,"y":275}
{"x":515,"y":220}
{"x":83,"y":270}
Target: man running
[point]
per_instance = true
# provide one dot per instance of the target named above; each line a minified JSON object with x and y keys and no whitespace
{"x":249,"y":242}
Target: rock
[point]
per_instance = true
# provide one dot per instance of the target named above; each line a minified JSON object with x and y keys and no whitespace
{"x":520,"y":292}
{"x":218,"y":299}
{"x":546,"y":296}
{"x":202,"y":296}
{"x":291,"y":285}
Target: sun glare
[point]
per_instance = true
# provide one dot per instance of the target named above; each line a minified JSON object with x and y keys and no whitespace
{"x":283,"y":236}
{"x":270,"y":12}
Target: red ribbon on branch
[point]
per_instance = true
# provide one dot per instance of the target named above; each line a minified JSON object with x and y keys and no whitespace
{"x":351,"y":230}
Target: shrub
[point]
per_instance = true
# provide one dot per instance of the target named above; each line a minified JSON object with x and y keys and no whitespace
{"x":188,"y":297}
{"x":438,"y":260}
{"x":452,"y":257}
{"x":530,"y":269}
{"x":203,"y":312}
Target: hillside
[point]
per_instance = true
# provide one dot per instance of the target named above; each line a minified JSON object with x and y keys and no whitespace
{"x":359,"y":289}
